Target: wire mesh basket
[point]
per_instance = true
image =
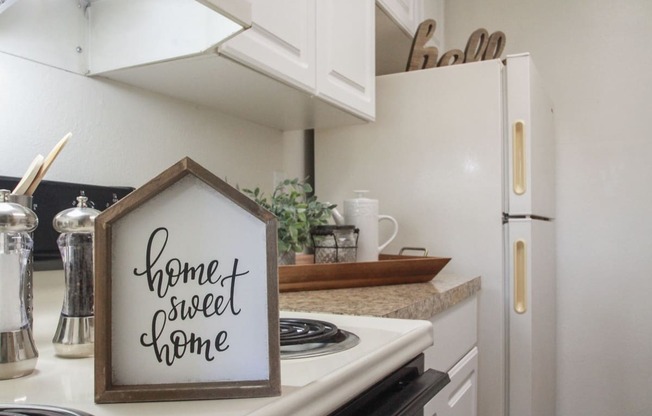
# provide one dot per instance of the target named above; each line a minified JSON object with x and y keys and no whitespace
{"x":335,"y":243}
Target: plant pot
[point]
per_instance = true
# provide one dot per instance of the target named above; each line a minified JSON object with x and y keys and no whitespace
{"x":287,"y":257}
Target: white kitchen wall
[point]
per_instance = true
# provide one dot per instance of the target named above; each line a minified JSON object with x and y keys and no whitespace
{"x":124,"y":135}
{"x":435,"y":9}
{"x":596,"y":59}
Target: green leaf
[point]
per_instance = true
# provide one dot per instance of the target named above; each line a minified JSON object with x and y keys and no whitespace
{"x":297,"y":210}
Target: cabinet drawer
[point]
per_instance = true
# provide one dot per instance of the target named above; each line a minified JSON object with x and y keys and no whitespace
{"x":455,"y":333}
{"x":460,"y":396}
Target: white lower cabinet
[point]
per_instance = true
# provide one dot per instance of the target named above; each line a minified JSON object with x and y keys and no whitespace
{"x":460,"y":396}
{"x":455,"y":351}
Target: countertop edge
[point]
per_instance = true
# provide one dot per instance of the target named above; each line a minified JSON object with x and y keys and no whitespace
{"x":409,"y":301}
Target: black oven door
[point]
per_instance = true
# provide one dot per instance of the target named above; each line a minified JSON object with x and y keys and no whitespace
{"x":405,"y":392}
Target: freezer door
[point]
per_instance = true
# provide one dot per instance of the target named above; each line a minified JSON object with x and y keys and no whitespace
{"x":530,"y":150}
{"x":531,"y":285}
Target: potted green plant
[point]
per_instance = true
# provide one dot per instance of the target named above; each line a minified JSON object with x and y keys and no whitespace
{"x":297,"y":211}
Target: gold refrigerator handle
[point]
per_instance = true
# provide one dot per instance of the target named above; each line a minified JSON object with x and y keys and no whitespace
{"x":518,"y":157}
{"x":520,"y":278}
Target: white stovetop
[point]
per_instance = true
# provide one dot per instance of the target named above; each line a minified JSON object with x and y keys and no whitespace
{"x":310,"y":386}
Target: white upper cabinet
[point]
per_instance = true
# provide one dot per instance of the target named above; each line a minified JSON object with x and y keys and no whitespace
{"x":301,"y":64}
{"x":345,"y":55}
{"x":126,"y":33}
{"x":396,"y":24}
{"x":324,"y":47}
{"x":280,"y":43}
{"x":407,"y":14}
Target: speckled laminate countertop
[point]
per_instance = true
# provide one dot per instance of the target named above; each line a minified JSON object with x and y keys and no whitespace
{"x":411,"y":301}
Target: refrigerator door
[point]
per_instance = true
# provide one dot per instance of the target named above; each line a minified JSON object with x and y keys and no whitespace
{"x":531,"y":285}
{"x":434,"y":160}
{"x":530,"y":181}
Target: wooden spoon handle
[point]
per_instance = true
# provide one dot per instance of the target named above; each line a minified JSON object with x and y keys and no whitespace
{"x":29,"y":176}
{"x":47,"y":163}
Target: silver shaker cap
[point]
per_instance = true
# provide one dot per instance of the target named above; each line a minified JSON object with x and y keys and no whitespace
{"x":80,"y":219}
{"x":15,"y":217}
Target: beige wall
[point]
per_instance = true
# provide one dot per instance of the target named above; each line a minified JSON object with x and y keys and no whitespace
{"x":596,"y":59}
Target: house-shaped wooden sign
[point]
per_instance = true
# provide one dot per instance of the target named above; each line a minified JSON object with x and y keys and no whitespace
{"x":186,"y":296}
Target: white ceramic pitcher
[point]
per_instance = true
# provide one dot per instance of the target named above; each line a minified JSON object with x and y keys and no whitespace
{"x":363,"y":213}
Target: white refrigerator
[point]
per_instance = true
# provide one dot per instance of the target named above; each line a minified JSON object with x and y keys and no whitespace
{"x":463,"y":157}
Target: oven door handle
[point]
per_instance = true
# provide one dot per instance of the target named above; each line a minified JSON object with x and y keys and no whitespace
{"x":412,"y":395}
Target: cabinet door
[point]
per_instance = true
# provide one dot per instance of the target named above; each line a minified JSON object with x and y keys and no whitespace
{"x":405,"y":13}
{"x":280,"y":42}
{"x":345,"y":55}
{"x":456,"y":332}
{"x":460,"y":396}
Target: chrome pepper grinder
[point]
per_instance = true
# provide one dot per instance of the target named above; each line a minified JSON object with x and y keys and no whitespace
{"x":75,"y":335}
{"x":18,"y":354}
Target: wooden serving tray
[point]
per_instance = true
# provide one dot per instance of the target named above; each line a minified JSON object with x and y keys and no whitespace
{"x":388,"y":270}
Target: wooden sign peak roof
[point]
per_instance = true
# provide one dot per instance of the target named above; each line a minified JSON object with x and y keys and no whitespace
{"x":170,"y":176}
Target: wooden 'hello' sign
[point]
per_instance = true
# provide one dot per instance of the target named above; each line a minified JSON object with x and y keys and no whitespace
{"x":480,"y":46}
{"x":186,"y":300}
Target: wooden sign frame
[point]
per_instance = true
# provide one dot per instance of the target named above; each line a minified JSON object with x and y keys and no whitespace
{"x":114,"y":351}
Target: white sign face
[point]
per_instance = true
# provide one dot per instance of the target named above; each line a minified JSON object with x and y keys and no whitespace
{"x":189,"y":290}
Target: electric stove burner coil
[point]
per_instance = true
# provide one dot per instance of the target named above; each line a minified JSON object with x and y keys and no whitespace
{"x":305,"y":331}
{"x":303,"y":338}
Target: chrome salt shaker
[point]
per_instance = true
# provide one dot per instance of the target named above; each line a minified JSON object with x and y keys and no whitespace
{"x":18,"y":354}
{"x":28,"y":283}
{"x":75,"y":334}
